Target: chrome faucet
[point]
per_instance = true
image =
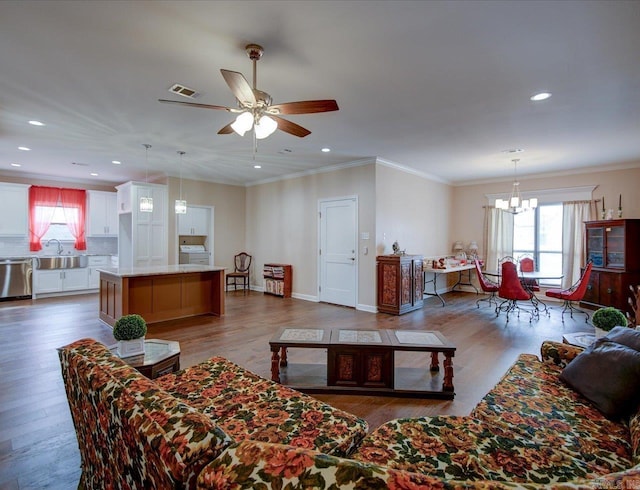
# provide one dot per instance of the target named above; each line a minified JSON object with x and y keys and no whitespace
{"x":59,"y":244}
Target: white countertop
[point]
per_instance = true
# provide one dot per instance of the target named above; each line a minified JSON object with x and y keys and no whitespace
{"x":160,"y":270}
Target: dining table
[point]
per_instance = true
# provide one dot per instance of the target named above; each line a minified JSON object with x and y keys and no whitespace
{"x":526,"y":279}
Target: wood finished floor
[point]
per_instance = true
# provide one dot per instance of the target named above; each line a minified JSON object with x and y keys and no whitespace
{"x":38,"y":448}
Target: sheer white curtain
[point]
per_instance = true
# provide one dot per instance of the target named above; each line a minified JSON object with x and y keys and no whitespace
{"x":574,"y":214}
{"x":498,"y":236}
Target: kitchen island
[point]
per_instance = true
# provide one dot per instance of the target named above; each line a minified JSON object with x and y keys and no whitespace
{"x":161,"y":293}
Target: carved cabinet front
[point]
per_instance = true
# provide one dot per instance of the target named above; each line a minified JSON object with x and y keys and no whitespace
{"x":400,"y":283}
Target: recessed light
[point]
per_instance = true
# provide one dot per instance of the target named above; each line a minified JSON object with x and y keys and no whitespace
{"x":540,"y":96}
{"x":16,"y":165}
{"x":93,"y":174}
{"x":257,"y":166}
{"x":24,"y":148}
{"x":326,"y":150}
{"x":36,"y":123}
{"x":116,"y":162}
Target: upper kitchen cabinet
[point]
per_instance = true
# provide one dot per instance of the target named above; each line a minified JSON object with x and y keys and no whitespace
{"x":103,"y":214}
{"x":142,"y":236}
{"x":194,"y":222}
{"x":15,"y":209}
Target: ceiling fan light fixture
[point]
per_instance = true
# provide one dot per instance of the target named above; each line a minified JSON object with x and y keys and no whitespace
{"x":243,"y":123}
{"x":265,"y":127}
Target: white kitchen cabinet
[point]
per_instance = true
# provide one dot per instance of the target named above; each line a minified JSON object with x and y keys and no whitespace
{"x":103,"y":214}
{"x":97,"y":262}
{"x":142,"y":237}
{"x":194,"y":222}
{"x":60,"y":280}
{"x":15,"y":209}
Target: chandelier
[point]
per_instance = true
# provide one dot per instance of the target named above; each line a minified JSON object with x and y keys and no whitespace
{"x":515,"y":204}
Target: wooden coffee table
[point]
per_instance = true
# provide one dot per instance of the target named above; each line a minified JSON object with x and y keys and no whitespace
{"x":363,"y":361}
{"x":160,"y":357}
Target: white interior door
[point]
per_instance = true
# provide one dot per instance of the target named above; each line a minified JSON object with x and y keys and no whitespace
{"x":338,"y":246}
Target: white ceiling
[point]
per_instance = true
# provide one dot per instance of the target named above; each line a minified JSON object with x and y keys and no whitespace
{"x":441,"y":87}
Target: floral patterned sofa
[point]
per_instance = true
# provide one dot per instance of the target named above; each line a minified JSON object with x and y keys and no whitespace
{"x":530,"y":431}
{"x":137,"y":433}
{"x":216,"y":425}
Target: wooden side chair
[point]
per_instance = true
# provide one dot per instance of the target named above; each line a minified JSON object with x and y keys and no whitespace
{"x":242,"y":264}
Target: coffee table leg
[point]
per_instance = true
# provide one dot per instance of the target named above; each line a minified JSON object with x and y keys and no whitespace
{"x":435,"y":365}
{"x":283,"y":356}
{"x":447,"y":385}
{"x":275,"y":365}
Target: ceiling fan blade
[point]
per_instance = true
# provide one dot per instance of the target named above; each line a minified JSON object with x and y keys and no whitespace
{"x":290,"y":127}
{"x":193,"y":104}
{"x":227,"y":129}
{"x":305,"y":107}
{"x":240,"y":87}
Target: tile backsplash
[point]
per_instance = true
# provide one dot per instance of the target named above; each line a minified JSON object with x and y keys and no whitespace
{"x":15,"y":246}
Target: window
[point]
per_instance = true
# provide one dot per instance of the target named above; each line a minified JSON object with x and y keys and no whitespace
{"x":538,"y":233}
{"x":59,"y":229}
{"x":65,"y":207}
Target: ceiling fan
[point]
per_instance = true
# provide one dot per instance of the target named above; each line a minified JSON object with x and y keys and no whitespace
{"x":255,"y":108}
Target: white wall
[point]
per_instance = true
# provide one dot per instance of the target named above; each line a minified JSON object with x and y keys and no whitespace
{"x":282,"y":226}
{"x":414,"y":211}
{"x":468,"y":200}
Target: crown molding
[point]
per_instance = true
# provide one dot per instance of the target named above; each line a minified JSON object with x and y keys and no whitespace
{"x":412,"y":171}
{"x":315,"y":171}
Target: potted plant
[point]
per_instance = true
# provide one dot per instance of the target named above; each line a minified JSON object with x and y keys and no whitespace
{"x":129,"y":331}
{"x":606,"y":318}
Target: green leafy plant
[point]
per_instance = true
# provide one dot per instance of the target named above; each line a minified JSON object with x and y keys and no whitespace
{"x":608,"y":317}
{"x":129,"y":327}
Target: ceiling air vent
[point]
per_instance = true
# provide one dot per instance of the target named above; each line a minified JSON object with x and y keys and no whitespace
{"x":184,"y":91}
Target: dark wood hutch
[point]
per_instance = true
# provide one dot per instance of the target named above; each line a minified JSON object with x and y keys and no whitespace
{"x":400,"y":283}
{"x":614,"y":248}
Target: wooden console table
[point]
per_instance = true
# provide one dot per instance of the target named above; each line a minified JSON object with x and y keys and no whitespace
{"x":363,"y":361}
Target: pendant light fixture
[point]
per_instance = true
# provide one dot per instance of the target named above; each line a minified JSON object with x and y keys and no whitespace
{"x":146,"y":203}
{"x":181,"y":205}
{"x":515,"y":204}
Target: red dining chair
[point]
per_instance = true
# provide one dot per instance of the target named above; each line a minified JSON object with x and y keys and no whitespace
{"x":512,"y":291}
{"x":528,"y":265}
{"x":487,"y":285}
{"x":574,"y":293}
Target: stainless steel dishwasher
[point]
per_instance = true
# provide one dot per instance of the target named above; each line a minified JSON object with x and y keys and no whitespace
{"x":15,"y":278}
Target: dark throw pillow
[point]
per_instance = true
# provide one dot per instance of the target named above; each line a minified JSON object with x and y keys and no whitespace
{"x":608,"y":375}
{"x":625,"y":336}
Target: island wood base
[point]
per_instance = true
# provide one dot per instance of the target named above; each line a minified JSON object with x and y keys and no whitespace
{"x":161,"y":297}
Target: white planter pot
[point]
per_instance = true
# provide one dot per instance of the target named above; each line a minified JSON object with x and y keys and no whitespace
{"x":600,"y":333}
{"x":129,"y":348}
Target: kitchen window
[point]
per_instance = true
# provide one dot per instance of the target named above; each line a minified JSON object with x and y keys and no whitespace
{"x":45,"y":207}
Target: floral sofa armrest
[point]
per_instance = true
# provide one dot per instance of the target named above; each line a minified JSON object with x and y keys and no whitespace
{"x":253,"y":464}
{"x":558,"y":353}
{"x":161,"y":442}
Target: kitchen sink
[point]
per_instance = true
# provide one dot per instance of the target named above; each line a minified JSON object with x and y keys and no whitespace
{"x":62,"y":262}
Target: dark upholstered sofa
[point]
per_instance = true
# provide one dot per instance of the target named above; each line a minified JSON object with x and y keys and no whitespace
{"x":216,"y":425}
